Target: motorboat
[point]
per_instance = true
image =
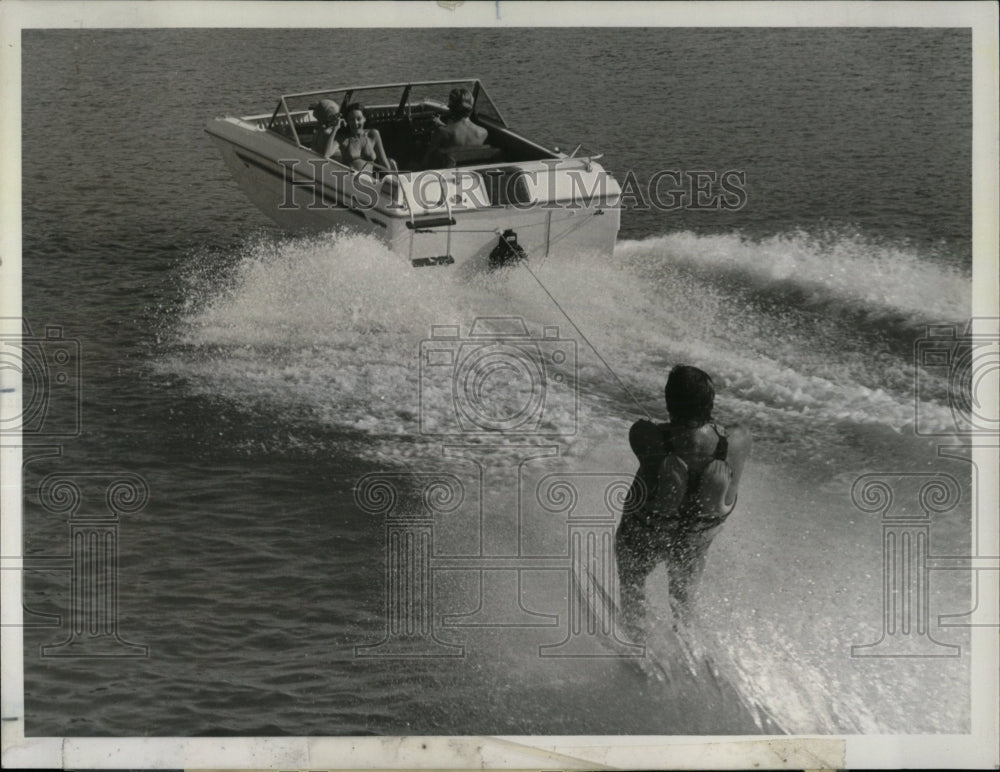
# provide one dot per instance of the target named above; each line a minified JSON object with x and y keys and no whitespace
{"x":506,"y":200}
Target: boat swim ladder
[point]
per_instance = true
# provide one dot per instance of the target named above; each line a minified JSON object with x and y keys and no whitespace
{"x":415,"y":228}
{"x":447,"y":204}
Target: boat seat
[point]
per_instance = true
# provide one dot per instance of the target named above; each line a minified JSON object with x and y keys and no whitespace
{"x":446,"y":158}
{"x":505,"y":185}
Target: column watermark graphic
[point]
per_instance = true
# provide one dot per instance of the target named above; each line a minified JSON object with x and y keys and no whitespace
{"x":500,"y":398}
{"x":499,"y":561}
{"x":93,"y":560}
{"x":956,"y":367}
{"x":906,"y":624}
{"x":590,"y":533}
{"x":984,"y":560}
{"x":43,"y":374}
{"x":587,"y":625}
{"x":409,"y":502}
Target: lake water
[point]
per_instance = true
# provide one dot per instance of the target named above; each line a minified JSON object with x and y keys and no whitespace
{"x":253,"y":378}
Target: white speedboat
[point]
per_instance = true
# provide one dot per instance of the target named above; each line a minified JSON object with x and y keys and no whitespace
{"x":508,"y":199}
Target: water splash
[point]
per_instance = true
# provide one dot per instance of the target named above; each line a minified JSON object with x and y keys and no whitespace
{"x":330,"y":328}
{"x":325,"y":334}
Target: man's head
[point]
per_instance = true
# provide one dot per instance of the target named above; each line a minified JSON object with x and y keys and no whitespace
{"x":460,"y":102}
{"x":690,"y":395}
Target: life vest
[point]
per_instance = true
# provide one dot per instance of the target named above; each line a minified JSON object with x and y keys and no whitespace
{"x":696,"y":512}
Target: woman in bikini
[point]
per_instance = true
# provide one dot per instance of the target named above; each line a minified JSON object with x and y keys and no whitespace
{"x":357,"y":147}
{"x":685,"y":488}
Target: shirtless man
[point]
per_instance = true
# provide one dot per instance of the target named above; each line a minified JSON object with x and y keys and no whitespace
{"x":458,"y":130}
{"x":686,"y":487}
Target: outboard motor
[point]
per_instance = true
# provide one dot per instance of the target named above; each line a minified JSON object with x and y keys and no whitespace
{"x":507,"y":251}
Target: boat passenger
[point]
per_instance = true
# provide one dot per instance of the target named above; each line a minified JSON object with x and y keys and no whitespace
{"x":685,"y":488}
{"x":360,"y":148}
{"x":328,"y":121}
{"x":458,"y":130}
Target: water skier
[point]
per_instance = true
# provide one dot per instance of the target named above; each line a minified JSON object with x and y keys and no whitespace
{"x":685,"y":488}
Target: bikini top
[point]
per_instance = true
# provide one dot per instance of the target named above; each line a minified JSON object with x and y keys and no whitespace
{"x":366,"y":149}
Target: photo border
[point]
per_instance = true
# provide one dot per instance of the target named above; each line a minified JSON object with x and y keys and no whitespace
{"x":977,"y":749}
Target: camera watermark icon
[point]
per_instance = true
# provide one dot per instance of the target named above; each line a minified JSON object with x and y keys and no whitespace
{"x":967,"y":360}
{"x":906,"y":557}
{"x":49,"y":370}
{"x":92,"y":561}
{"x":498,"y":379}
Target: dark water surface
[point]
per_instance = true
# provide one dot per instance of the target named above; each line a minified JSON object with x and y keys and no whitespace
{"x":252,"y":378}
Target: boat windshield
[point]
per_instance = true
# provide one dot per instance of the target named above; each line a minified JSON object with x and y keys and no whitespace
{"x":401,"y":99}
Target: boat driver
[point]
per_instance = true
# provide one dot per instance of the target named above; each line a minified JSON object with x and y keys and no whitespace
{"x":685,"y":488}
{"x":457,"y":130}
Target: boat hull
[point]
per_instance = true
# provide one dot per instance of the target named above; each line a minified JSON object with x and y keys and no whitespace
{"x":302,"y":192}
